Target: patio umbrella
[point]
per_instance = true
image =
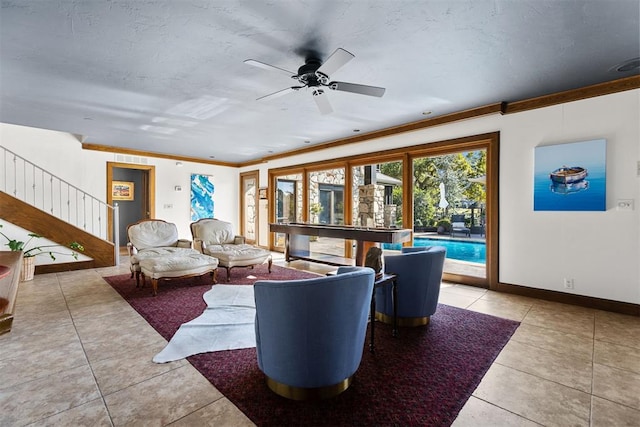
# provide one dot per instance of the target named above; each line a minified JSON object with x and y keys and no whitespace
{"x":443,"y":202}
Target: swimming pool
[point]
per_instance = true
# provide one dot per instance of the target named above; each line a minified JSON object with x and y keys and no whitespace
{"x":456,"y":249}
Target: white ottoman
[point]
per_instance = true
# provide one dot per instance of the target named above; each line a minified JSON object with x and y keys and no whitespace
{"x":242,"y":255}
{"x":177,"y":266}
{"x":135,"y":258}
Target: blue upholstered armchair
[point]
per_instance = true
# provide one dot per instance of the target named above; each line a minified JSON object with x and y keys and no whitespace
{"x":419,"y":271}
{"x":310,"y":333}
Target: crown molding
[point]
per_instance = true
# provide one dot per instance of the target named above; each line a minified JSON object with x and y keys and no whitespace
{"x":120,"y":150}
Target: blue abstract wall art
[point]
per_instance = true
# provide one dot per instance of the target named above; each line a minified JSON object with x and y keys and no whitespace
{"x":570,"y":177}
{"x":202,"y":189}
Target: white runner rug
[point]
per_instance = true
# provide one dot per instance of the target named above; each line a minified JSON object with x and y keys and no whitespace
{"x":226,"y":324}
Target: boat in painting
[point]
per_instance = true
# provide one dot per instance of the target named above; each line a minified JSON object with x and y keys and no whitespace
{"x":568,"y":175}
{"x":570,"y":188}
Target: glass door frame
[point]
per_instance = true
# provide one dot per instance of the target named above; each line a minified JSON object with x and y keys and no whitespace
{"x":255,"y":176}
{"x":274,"y":176}
{"x":370,"y":160}
{"x":491,"y":143}
{"x":478,"y":279}
{"x":488,"y":141}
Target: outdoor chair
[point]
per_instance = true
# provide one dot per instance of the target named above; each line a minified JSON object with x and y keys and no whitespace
{"x":419,"y":273}
{"x":458,"y":226}
{"x":310,"y":333}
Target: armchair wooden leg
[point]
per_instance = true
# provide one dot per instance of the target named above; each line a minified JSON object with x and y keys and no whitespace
{"x":270,"y":262}
{"x":228,"y":274}
{"x":154,"y":284}
{"x":214,"y":276}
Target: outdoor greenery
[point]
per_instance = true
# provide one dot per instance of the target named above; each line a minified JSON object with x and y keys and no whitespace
{"x":452,"y":170}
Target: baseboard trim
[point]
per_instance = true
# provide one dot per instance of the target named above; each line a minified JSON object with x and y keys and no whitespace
{"x":565,"y":298}
{"x":64,"y":266}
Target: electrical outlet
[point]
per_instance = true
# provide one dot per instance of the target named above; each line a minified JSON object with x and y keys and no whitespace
{"x":624,"y":204}
{"x":568,"y":283}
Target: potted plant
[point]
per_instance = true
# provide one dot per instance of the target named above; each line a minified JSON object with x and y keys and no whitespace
{"x":315,"y":210}
{"x":29,"y":254}
{"x":444,"y":226}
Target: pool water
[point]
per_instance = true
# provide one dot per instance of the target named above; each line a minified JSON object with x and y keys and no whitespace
{"x":456,"y":249}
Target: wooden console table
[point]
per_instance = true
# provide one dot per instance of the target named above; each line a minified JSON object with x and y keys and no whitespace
{"x":297,"y":238}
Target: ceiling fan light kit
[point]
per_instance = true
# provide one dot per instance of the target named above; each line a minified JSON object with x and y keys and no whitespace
{"x":315,"y":75}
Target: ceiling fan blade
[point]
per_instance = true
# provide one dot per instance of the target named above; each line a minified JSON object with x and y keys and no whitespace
{"x":335,"y":61}
{"x":268,"y":67}
{"x":322,"y":101}
{"x":357,"y":88}
{"x":279,"y":93}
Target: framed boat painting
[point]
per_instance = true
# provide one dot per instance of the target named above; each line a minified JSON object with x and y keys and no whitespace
{"x":570,"y":177}
{"x":202,"y":190}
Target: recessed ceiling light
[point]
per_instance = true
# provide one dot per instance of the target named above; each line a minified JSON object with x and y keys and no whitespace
{"x":307,"y":142}
{"x":626,"y":66}
{"x":212,"y":157}
{"x":356,"y":130}
{"x":270,"y":151}
{"x":426,"y":113}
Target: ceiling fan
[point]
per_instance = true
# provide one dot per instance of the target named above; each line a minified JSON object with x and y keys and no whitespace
{"x":314,"y":74}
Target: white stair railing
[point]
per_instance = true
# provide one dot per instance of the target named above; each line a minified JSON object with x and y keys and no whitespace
{"x":55,"y":196}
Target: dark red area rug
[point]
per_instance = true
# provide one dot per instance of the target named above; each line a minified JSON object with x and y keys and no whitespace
{"x":180,"y":300}
{"x":421,"y":378}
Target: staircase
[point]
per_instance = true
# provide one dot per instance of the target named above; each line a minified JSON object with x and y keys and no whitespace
{"x":36,"y":200}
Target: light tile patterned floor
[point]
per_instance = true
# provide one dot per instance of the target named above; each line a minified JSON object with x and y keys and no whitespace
{"x":79,"y":355}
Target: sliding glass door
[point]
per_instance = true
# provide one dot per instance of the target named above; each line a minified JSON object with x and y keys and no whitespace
{"x":288,"y":203}
{"x":446,"y":192}
{"x":449,"y":208}
{"x":249,"y":206}
{"x":378,"y":197}
{"x":326,"y":206}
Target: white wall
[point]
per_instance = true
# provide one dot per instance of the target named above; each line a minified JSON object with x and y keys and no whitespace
{"x":62,"y":154}
{"x":168,"y":176}
{"x":599,"y":250}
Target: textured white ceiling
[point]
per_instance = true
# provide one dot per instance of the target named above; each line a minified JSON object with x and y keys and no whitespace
{"x":168,"y":76}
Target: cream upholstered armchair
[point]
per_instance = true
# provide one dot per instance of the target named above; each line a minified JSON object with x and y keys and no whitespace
{"x":217,"y":238}
{"x":151,"y":238}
